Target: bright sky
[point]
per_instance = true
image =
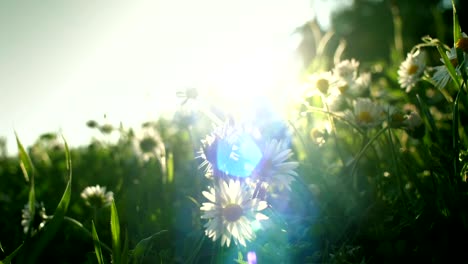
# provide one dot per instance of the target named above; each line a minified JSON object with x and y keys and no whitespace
{"x":63,"y":63}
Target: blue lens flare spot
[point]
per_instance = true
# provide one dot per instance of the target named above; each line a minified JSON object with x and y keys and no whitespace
{"x":238,"y":157}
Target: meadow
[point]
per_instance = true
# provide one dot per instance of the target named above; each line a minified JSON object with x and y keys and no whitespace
{"x":369,"y":166}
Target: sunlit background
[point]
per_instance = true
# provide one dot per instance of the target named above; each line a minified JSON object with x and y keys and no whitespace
{"x":64,"y":63}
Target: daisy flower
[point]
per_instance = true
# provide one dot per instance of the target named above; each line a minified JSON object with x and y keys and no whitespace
{"x":347,"y":80}
{"x":148,"y":144}
{"x":187,"y":94}
{"x":414,"y":125}
{"x":274,"y":168}
{"x":411,"y":70}
{"x":346,"y":70}
{"x":37,"y":220}
{"x":366,"y":113}
{"x":335,"y":101}
{"x":230,"y":212}
{"x":96,"y":196}
{"x":319,"y":82}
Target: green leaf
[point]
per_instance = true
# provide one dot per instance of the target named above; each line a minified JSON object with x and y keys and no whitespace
{"x":97,"y":245}
{"x":457,"y":34}
{"x":240,"y":259}
{"x":456,"y":24}
{"x":124,"y":256}
{"x":51,"y":228}
{"x":140,"y":249}
{"x":170,"y":168}
{"x":115,"y":230}
{"x":9,"y":258}
{"x":25,"y":161}
{"x":28,"y":171}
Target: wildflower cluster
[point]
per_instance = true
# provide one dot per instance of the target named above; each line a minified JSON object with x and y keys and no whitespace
{"x":345,"y":93}
{"x":242,"y":168}
{"x":414,"y":68}
{"x":344,"y":80}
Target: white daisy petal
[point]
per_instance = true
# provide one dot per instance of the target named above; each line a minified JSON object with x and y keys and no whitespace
{"x":231,"y":213}
{"x":411,"y":70}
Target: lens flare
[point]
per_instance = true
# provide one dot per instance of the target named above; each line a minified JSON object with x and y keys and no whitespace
{"x":251,"y":257}
{"x":238,"y":156}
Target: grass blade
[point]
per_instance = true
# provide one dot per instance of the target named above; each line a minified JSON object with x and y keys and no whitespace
{"x":115,"y":230}
{"x":54,"y":224}
{"x":456,"y":137}
{"x":28,"y":172}
{"x":142,"y":246}
{"x":124,"y":256}
{"x":97,"y":245}
{"x":170,"y":168}
{"x":10,"y":257}
{"x":456,"y":24}
{"x":25,"y":160}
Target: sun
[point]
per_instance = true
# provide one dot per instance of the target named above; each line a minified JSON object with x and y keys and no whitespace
{"x":253,"y":79}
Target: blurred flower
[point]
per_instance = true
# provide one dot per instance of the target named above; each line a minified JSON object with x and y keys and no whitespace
{"x":274,"y":167}
{"x":346,"y":70}
{"x":346,"y":79}
{"x":230,"y":212}
{"x":106,"y":129}
{"x":92,"y":124}
{"x":414,"y":125}
{"x":38,"y":220}
{"x":187,"y":94}
{"x":318,"y":136}
{"x":335,"y":101}
{"x":96,"y":196}
{"x":412,"y":69}
{"x":319,"y":82}
{"x":148,"y":144}
{"x":366,"y":113}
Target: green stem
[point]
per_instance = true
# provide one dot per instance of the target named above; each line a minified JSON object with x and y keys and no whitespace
{"x":86,"y":231}
{"x":398,"y":25}
{"x":364,"y":149}
{"x":319,"y":110}
{"x":333,"y":129}
{"x":455,"y":138}
{"x":397,"y":171}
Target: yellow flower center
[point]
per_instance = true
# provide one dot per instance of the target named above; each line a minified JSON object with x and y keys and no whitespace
{"x":412,"y":69}
{"x":322,"y":85}
{"x":232,"y":212}
{"x":316,"y":133}
{"x":364,"y":117}
{"x":343,"y":88}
